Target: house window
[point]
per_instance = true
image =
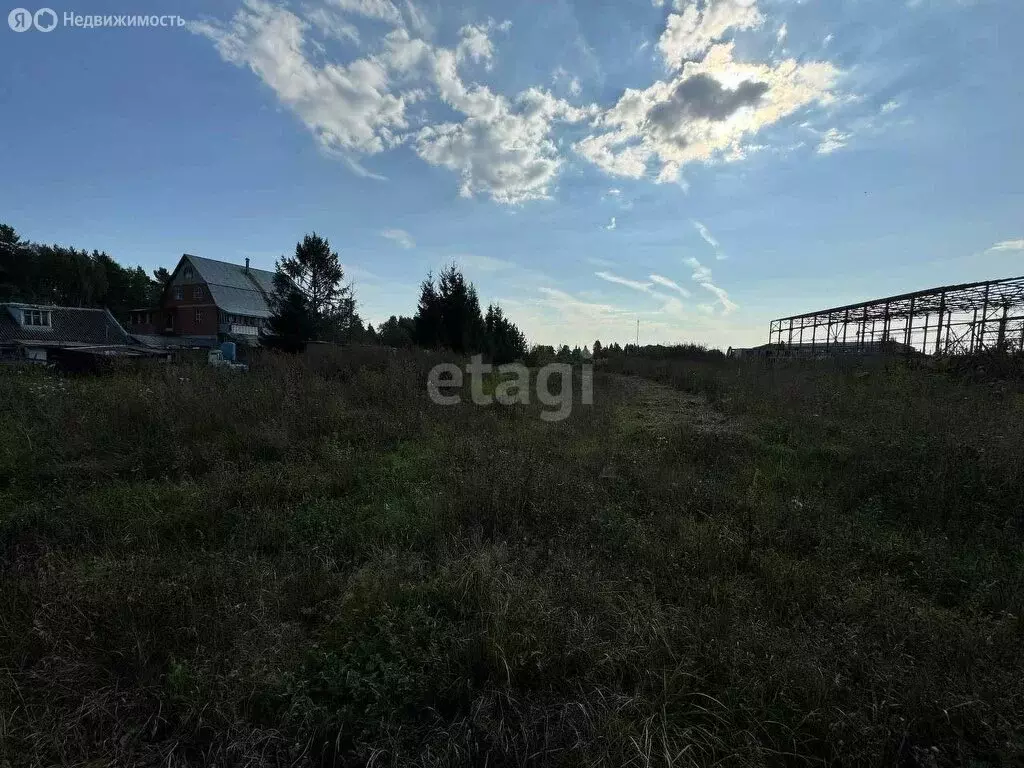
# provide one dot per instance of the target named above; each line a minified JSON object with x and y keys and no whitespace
{"x":179,"y":293}
{"x":188,"y":273}
{"x":197,"y":292}
{"x":37,"y":317}
{"x":199,"y":316}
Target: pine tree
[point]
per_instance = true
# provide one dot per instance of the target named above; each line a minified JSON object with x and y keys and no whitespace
{"x":427,"y":321}
{"x":315,"y":271}
{"x":291,"y":324}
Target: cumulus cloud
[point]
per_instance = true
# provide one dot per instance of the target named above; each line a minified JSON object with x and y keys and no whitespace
{"x":503,"y":149}
{"x":475,"y":41}
{"x":611,"y":225}
{"x":705,"y":113}
{"x":690,"y":34}
{"x":399,"y":236}
{"x":475,"y":44}
{"x":348,"y":108}
{"x":505,"y":146}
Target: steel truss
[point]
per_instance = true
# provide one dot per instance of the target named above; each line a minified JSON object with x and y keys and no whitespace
{"x":954,"y":319}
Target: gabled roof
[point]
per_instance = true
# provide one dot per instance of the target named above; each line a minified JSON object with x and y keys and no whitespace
{"x":234,"y":288}
{"x":69,"y":326}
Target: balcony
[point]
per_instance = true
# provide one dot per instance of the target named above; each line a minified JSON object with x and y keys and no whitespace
{"x":234,"y":329}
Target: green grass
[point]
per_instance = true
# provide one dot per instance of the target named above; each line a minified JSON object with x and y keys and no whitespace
{"x":313,"y":564}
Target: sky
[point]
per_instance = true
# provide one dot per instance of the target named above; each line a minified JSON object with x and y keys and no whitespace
{"x":697,"y":167}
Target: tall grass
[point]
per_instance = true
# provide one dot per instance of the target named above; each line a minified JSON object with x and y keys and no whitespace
{"x":313,"y":564}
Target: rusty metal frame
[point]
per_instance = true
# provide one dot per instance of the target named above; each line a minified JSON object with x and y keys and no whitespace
{"x":951,"y":320}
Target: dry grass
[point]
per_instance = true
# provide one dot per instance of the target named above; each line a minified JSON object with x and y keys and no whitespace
{"x":312,"y":564}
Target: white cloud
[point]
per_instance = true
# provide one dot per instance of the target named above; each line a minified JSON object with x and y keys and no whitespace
{"x":700,"y":272}
{"x":418,"y":20}
{"x":611,"y":225}
{"x":1008,"y":245}
{"x":780,"y":36}
{"x":399,"y":236}
{"x":890,"y":106}
{"x":702,"y":276}
{"x":664,"y":281}
{"x":634,"y":284}
{"x":479,"y":263}
{"x":561,"y":74}
{"x":501,"y":149}
{"x":828,"y":40}
{"x":576,"y":313}
{"x":348,"y":108}
{"x":333,"y":25}
{"x":832,"y":140}
{"x":505,"y":146}
{"x":383,"y":10}
{"x":689,"y":34}
{"x":706,"y":235}
{"x":705,"y":113}
{"x":475,"y":44}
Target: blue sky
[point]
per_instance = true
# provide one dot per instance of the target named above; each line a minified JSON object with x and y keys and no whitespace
{"x":701,"y":165}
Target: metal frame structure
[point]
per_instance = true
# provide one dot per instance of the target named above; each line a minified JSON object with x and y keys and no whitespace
{"x":953,"y":319}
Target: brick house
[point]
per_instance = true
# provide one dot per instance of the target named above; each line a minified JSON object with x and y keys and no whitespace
{"x":206,"y":302}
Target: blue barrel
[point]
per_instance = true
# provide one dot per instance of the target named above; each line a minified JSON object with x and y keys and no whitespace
{"x":227,"y":350}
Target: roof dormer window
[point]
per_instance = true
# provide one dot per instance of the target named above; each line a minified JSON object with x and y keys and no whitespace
{"x":39,"y":318}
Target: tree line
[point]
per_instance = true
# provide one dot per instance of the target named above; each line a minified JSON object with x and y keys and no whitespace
{"x":55,"y":274}
{"x":312,"y":302}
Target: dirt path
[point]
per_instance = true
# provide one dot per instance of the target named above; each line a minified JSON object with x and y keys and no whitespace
{"x":652,"y":408}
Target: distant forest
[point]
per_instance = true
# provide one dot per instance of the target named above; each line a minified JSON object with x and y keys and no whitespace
{"x":57,"y":274}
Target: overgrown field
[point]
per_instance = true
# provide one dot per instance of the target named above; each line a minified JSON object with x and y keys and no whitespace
{"x":313,"y":564}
